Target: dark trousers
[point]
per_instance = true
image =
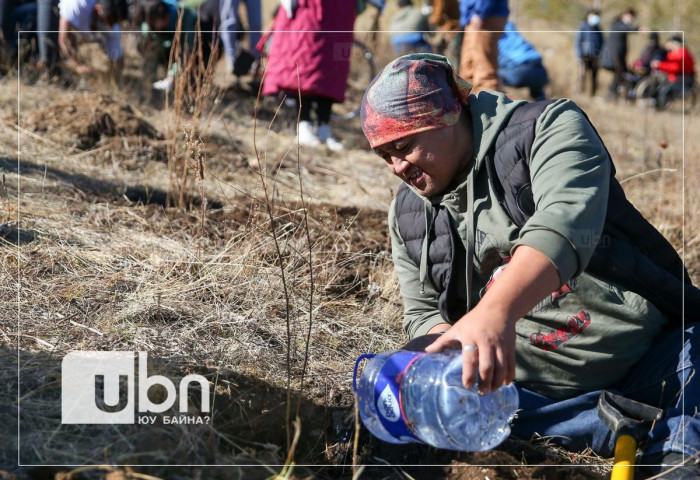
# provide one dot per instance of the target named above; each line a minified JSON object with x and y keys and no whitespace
{"x":323,"y":109}
{"x":619,"y":70}
{"x":40,"y":16}
{"x":47,"y":31}
{"x":588,"y":66}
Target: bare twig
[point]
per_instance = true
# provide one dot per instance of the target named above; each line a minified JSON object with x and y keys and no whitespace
{"x":93,"y":330}
{"x":648,"y":172}
{"x":356,"y":439}
{"x":305,"y":226}
{"x":273,"y":231}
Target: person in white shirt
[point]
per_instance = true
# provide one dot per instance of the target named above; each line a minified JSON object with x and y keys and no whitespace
{"x":81,"y":17}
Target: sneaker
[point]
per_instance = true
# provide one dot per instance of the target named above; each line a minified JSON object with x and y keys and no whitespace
{"x":307,"y":135}
{"x":325,"y":136}
{"x":669,"y":467}
{"x":164,"y":85}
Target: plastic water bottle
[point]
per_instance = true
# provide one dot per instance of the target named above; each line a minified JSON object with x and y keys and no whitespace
{"x":419,"y":397}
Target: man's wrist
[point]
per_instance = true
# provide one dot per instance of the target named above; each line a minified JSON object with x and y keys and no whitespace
{"x":498,"y":309}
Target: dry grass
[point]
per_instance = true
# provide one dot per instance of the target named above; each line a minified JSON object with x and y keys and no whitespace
{"x":105,"y":273}
{"x":104,"y":269}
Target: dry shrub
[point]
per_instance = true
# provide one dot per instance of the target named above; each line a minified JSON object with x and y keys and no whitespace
{"x":194,"y":94}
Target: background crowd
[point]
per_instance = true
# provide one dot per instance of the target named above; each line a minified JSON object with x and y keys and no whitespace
{"x":478,"y":37}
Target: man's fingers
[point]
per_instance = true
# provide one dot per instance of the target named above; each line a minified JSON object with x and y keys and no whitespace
{"x":499,"y":374}
{"x":486,"y":370}
{"x":440,"y":344}
{"x":469,"y":363}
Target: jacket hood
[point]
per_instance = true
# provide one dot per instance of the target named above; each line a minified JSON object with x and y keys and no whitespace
{"x":490,"y":111}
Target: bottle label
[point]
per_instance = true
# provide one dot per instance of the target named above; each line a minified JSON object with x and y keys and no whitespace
{"x":387,"y":394}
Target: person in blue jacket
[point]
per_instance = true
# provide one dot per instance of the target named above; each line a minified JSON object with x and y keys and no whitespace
{"x":588,"y":45}
{"x":519,"y":64}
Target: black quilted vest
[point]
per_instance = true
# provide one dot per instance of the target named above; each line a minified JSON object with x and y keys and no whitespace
{"x":630,"y":251}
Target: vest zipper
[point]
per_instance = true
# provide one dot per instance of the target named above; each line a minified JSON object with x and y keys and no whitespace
{"x":424,"y":246}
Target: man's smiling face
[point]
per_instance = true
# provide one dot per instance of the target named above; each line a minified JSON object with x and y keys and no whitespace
{"x":431,"y":159}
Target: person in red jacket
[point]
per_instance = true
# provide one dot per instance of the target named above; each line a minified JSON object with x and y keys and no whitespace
{"x":308,"y":59}
{"x":679,"y":68}
{"x":679,"y":63}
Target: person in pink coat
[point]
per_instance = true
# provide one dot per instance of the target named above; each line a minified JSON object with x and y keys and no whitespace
{"x":310,"y":54}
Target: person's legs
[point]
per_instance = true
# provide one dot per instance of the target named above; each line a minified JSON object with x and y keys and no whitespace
{"x":486,"y":62}
{"x":304,"y":108}
{"x":454,"y":49}
{"x":688,"y":81}
{"x":254,"y":12}
{"x":572,"y":423}
{"x":324,"y":106}
{"x":666,"y":379}
{"x":480,"y":54}
{"x":530,"y":75}
{"x":588,"y":68}
{"x":47,"y":26}
{"x":666,"y":93}
{"x":306,"y":133}
{"x":657,"y":379}
{"x":7,"y":25}
{"x":24,"y":21}
{"x":582,"y":74}
{"x":230,"y":26}
{"x":617,"y":80}
{"x":207,"y":35}
{"x":466,"y":60}
{"x":537,"y":79}
{"x":594,"y":76}
{"x":6,"y":21}
{"x":511,"y":76}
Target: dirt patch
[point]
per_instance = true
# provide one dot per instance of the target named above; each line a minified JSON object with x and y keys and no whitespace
{"x":87,"y":118}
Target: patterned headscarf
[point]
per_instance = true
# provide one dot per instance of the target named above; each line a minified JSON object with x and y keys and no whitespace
{"x":412,"y":94}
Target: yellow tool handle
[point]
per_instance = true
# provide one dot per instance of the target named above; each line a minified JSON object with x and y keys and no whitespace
{"x":625,"y":453}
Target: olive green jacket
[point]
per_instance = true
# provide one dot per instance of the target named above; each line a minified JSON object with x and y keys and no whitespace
{"x":586,"y":335}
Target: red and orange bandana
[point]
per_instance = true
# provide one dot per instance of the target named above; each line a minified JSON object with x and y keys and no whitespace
{"x":412,"y":94}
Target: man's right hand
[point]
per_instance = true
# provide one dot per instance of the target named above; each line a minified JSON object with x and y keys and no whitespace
{"x":487,"y":339}
{"x":490,"y":326}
